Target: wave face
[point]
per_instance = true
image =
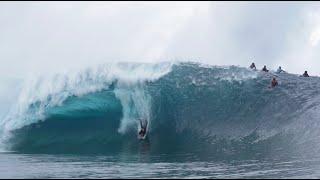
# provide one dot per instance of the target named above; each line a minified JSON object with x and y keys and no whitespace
{"x":191,"y":108}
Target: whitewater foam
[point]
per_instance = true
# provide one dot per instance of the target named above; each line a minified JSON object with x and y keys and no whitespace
{"x":227,"y":110}
{"x":44,"y":91}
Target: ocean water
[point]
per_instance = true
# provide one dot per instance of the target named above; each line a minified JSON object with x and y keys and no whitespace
{"x":145,"y":166}
{"x":203,"y":122}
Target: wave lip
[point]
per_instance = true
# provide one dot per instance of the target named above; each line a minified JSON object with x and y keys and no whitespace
{"x":41,"y":93}
{"x":210,"y":110}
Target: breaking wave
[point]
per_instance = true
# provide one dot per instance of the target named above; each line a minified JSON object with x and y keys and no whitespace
{"x":209,"y":110}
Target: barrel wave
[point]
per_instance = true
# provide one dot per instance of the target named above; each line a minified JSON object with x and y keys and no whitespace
{"x":212,"y":111}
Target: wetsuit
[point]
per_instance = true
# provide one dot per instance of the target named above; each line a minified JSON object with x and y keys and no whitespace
{"x":253,"y":67}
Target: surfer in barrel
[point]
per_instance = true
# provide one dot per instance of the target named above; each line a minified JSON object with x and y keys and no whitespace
{"x":143,"y":130}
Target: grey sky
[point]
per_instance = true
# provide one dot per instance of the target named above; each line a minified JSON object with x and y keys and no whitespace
{"x":53,"y":36}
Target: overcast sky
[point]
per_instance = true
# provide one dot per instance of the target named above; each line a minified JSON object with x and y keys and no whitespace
{"x":51,"y":36}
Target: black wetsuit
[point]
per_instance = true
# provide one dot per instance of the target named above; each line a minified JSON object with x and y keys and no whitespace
{"x":142,"y":132}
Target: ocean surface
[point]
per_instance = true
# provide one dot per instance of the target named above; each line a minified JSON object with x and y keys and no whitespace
{"x":204,"y":121}
{"x":148,"y":166}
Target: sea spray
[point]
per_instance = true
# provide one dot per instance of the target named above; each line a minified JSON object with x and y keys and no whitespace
{"x":214,"y":111}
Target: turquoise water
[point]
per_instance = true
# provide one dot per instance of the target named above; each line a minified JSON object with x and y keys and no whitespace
{"x":204,"y":122}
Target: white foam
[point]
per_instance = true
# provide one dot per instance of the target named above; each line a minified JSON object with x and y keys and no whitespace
{"x":136,"y":105}
{"x":49,"y":90}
